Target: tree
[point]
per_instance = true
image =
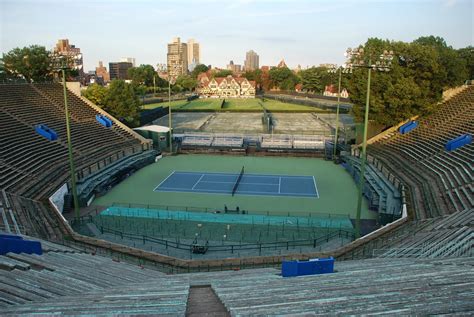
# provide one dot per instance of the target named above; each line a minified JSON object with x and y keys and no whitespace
{"x":223,"y":73}
{"x":160,"y":82}
{"x":283,"y":78}
{"x":200,"y":68}
{"x":413,"y":85}
{"x":316,"y":78}
{"x":467,"y":54}
{"x":186,"y":82}
{"x":453,"y":69}
{"x":123,"y":103}
{"x":142,"y":75}
{"x":31,"y":63}
{"x":255,"y":75}
{"x":96,"y":94}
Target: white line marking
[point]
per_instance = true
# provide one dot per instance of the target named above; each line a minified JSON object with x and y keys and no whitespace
{"x":316,"y":187}
{"x":202,"y":175}
{"x":164,"y":180}
{"x":245,"y":174}
{"x":241,"y":183}
{"x":247,"y":193}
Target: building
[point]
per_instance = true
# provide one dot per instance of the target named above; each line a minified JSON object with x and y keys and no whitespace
{"x":235,"y":68}
{"x":194,"y":53}
{"x":177,"y":58}
{"x":119,"y":70}
{"x":73,"y":54}
{"x":225,"y":87}
{"x":162,"y":71}
{"x":101,"y":72}
{"x":251,"y":61}
{"x":282,"y":64}
{"x":327,"y":65}
{"x":331,"y":91}
{"x":128,"y":60}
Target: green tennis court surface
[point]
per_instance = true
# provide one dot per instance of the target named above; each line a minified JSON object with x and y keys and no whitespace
{"x":337,"y":191}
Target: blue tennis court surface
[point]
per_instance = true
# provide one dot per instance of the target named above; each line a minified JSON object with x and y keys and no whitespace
{"x":250,"y":184}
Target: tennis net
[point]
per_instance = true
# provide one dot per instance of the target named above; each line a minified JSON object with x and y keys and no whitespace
{"x":236,"y":185}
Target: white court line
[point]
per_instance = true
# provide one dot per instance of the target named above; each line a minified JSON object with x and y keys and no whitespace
{"x":214,"y":191}
{"x":247,"y":193}
{"x":164,"y":180}
{"x":245,"y":174}
{"x":241,"y":183}
{"x":316,"y":186}
{"x":202,"y":175}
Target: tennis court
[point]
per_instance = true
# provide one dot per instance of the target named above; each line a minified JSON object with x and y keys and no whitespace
{"x":240,"y":184}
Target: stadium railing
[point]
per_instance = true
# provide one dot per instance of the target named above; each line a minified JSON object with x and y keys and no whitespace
{"x":214,"y":210}
{"x":290,"y":244}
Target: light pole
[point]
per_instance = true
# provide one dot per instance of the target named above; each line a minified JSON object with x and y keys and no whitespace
{"x":383,"y":63}
{"x":341,"y":70}
{"x":61,"y":63}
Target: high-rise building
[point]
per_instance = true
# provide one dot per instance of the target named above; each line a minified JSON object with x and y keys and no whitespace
{"x":251,"y":61}
{"x":177,"y":58}
{"x":194,"y":53}
{"x":119,"y":70}
{"x":235,"y":68}
{"x":102,"y":72}
{"x":128,"y":60}
{"x":73,"y":54}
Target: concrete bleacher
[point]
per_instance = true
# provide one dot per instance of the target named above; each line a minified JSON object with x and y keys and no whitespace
{"x":441,"y":182}
{"x":22,"y":215}
{"x":64,"y":281}
{"x":228,"y":141}
{"x":382,"y":195}
{"x":446,"y":236}
{"x":393,"y":287}
{"x":27,"y":158}
{"x":197,"y":140}
{"x":276,"y":141}
{"x":61,"y":273}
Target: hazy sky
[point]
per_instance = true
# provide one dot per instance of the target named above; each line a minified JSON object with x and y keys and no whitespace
{"x":302,"y":32}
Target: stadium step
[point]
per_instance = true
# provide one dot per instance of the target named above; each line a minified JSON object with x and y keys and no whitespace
{"x":202,"y":301}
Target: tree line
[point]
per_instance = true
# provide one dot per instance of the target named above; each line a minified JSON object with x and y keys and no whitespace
{"x":420,"y":71}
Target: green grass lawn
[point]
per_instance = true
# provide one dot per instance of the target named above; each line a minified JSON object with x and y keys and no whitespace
{"x":174,"y":104}
{"x":240,"y":104}
{"x":336,"y":188}
{"x":275,"y":105}
{"x":251,"y":104}
{"x":203,"y":104}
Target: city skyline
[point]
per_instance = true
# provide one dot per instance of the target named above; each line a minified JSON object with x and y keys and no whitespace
{"x":301,"y":32}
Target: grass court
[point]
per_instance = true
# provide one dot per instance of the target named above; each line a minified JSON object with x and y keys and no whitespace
{"x":233,"y":105}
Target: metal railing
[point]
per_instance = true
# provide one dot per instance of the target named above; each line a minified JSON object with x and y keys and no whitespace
{"x":293,"y":213}
{"x":226,"y":248}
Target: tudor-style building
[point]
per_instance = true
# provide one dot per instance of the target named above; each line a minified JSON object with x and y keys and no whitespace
{"x":225,"y":87}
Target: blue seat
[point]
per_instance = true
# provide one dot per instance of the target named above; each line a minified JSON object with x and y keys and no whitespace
{"x":103,"y":120}
{"x":46,"y":132}
{"x":458,"y":142}
{"x":407,"y":127}
{"x":16,"y":244}
{"x":313,"y":266}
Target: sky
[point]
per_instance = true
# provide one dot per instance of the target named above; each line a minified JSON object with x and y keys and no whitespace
{"x":304,"y":32}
